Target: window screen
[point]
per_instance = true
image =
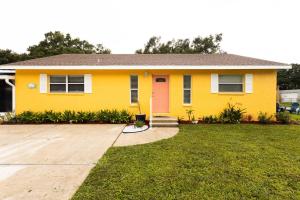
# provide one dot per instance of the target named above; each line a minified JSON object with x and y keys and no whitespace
{"x":186,"y":89}
{"x":65,"y":84}
{"x":159,"y":80}
{"x":75,"y":83}
{"x":134,"y":89}
{"x":231,"y":83}
{"x":58,"y":84}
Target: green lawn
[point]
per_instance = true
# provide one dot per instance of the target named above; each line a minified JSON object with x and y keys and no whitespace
{"x":203,"y":162}
{"x":286,"y":104}
{"x":295,"y":117}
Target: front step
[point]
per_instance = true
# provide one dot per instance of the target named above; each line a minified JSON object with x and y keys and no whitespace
{"x":164,"y":121}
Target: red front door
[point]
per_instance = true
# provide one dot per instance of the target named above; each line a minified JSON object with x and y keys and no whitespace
{"x":160,"y":94}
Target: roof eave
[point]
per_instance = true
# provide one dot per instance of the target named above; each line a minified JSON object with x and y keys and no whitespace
{"x":145,"y":67}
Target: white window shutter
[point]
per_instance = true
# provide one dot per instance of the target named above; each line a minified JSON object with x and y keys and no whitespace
{"x":88,"y":83}
{"x":214,"y":84}
{"x":43,"y":83}
{"x":249,"y":83}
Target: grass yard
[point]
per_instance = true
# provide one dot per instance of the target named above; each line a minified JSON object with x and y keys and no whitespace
{"x":295,"y":117}
{"x":203,"y":162}
{"x":286,"y":104}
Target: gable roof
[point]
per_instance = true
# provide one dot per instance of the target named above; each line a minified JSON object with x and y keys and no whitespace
{"x":101,"y":61}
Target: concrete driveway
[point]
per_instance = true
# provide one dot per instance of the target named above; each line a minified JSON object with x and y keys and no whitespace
{"x":50,"y":161}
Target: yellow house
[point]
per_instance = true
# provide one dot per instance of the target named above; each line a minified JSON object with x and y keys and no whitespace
{"x":163,"y":84}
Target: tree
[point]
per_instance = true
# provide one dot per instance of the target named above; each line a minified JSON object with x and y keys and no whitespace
{"x":54,"y":43}
{"x":57,"y":43}
{"x":289,"y":79}
{"x":8,"y":56}
{"x":200,"y":45}
{"x":99,"y":49}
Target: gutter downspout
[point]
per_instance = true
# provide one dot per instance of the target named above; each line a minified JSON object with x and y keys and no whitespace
{"x":13,"y":94}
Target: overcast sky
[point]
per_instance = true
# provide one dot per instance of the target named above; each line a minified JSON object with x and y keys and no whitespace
{"x":268,"y":29}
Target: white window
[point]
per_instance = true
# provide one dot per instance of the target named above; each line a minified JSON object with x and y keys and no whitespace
{"x":187,"y":89}
{"x":134,"y":85}
{"x":231,"y":83}
{"x":75,"y":83}
{"x":67,"y":84}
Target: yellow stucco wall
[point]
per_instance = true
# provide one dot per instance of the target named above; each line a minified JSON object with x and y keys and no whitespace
{"x":111,"y":91}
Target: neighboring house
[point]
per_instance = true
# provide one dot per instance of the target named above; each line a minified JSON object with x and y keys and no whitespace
{"x":175,"y":82}
{"x":289,"y":95}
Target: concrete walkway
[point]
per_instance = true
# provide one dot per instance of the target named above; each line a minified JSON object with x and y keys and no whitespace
{"x":50,"y":161}
{"x":150,"y":135}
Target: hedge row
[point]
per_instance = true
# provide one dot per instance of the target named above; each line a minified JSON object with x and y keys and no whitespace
{"x":102,"y":116}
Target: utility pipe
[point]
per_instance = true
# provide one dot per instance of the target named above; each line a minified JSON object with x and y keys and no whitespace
{"x":13,"y":94}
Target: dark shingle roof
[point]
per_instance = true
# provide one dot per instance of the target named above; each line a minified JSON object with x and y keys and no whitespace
{"x":146,"y":59}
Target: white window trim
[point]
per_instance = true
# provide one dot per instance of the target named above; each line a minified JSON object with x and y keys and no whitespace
{"x":66,"y":84}
{"x":241,"y":83}
{"x":248,"y":83}
{"x":190,"y":89}
{"x":43,"y":83}
{"x":130,"y":89}
{"x":88,"y":84}
{"x":214,"y":83}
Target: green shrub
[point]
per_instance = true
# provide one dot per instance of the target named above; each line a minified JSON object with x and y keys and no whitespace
{"x":114,"y":117}
{"x":283,"y":117}
{"x":125,"y":117}
{"x":90,"y":117}
{"x":232,"y":114}
{"x":85,"y":117}
{"x":49,"y":117}
{"x":264,"y":118}
{"x":139,"y":124}
{"x":102,"y":116}
{"x":27,"y":117}
{"x":68,"y":116}
{"x":211,"y":119}
{"x":189,"y":113}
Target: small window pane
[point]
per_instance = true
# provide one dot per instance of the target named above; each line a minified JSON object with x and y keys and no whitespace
{"x":230,"y":79}
{"x":187,"y":97}
{"x":187,"y":81}
{"x":57,"y":79}
{"x":159,"y":80}
{"x":134,"y":96}
{"x":57,"y":88}
{"x":75,"y":79}
{"x":231,"y":88}
{"x":134,"y":82}
{"x":76,"y":87}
